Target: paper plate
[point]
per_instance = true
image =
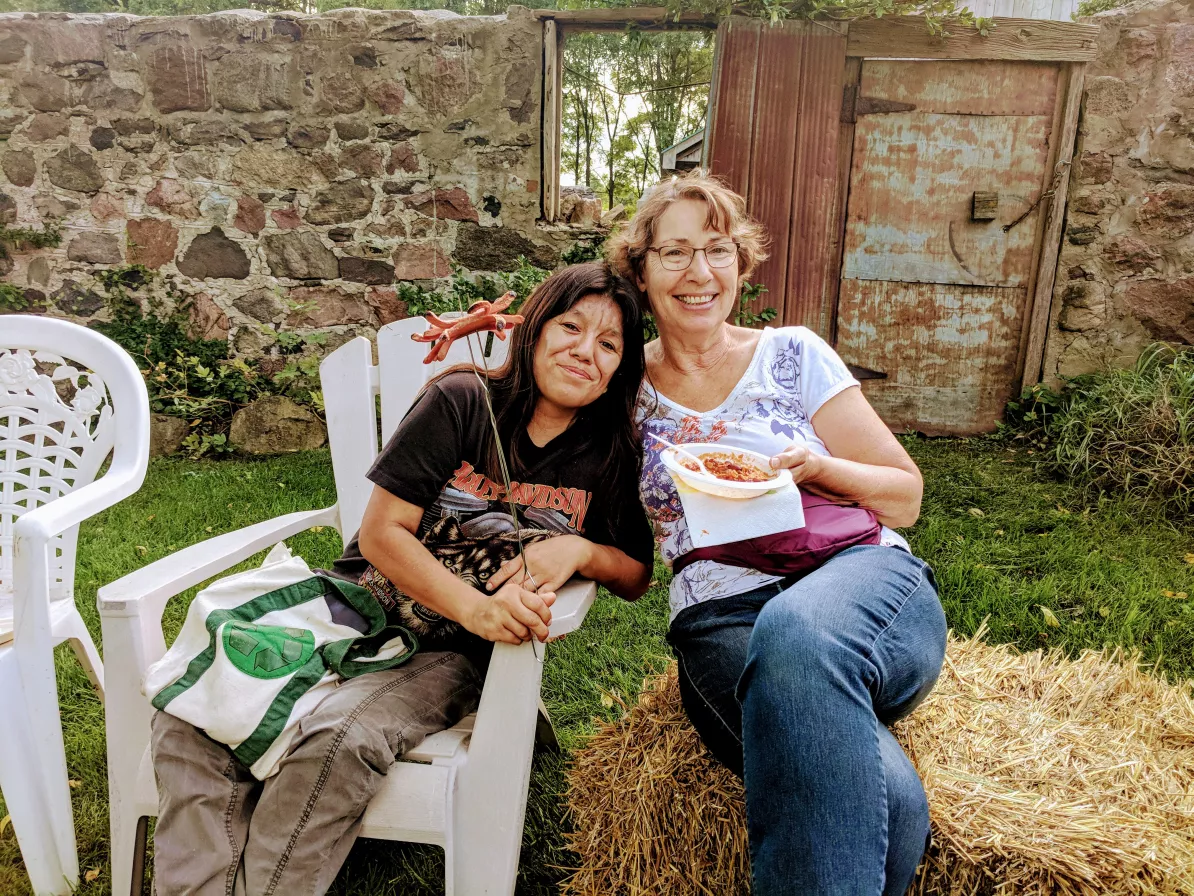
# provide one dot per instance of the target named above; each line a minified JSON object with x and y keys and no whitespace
{"x":723,"y":488}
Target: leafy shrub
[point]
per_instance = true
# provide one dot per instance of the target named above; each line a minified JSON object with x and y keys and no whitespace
{"x":194,"y":378}
{"x":744,"y":317}
{"x":465,"y":289}
{"x":12,"y":299}
{"x":157,"y":332}
{"x":1129,"y":431}
{"x":580,"y":252}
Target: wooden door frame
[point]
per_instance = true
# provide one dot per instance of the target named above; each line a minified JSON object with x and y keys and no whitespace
{"x":1026,"y":40}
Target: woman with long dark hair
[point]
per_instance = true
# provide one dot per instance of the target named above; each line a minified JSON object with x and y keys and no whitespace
{"x":458,"y":554}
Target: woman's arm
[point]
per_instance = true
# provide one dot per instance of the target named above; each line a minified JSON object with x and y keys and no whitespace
{"x":868,"y":466}
{"x":554,"y":561}
{"x":387,"y":540}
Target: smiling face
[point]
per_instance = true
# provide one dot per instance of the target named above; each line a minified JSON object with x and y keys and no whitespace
{"x":698,"y":299}
{"x":578,"y":353}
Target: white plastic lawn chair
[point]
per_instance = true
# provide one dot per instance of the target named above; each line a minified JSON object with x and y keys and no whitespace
{"x":463,"y":789}
{"x":66,"y":394}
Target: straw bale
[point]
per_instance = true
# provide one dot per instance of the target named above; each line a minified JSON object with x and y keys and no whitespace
{"x":1045,"y":775}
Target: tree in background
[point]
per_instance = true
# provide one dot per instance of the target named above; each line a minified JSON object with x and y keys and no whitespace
{"x":672,"y":76}
{"x":628,"y":96}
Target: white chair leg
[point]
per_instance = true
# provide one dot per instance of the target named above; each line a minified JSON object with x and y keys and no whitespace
{"x":24,"y":798}
{"x":126,"y":721}
{"x":491,"y":797}
{"x":122,"y":856}
{"x":74,"y":629}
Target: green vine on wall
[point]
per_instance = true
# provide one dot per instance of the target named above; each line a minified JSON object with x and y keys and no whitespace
{"x":464,"y":290}
{"x":191,"y":377}
{"x":12,"y":298}
{"x":47,"y":237}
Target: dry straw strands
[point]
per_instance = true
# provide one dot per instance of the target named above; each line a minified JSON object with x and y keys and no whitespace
{"x":1045,"y":775}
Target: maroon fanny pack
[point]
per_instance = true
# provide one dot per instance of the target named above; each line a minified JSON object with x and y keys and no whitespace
{"x":828,"y":529}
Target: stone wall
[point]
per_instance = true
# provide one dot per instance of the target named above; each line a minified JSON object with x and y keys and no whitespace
{"x":1126,"y":272}
{"x":282,"y":171}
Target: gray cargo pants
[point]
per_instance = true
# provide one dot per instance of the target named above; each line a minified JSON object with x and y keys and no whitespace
{"x":221,"y":832}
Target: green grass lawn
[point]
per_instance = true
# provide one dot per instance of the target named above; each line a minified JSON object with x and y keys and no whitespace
{"x":1047,"y":566}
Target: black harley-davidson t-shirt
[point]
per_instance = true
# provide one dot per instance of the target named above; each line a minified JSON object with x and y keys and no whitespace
{"x":434,"y":461}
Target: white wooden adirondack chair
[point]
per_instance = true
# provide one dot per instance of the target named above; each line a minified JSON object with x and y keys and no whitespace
{"x":463,"y":789}
{"x":50,"y":452}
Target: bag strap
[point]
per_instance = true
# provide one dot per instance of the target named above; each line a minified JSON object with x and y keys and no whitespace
{"x":274,"y":722}
{"x":349,"y":657}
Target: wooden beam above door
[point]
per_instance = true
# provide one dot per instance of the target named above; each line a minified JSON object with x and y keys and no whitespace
{"x":620,"y":17}
{"x":908,"y":37}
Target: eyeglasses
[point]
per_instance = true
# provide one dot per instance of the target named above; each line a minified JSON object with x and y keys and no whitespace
{"x":678,"y":258}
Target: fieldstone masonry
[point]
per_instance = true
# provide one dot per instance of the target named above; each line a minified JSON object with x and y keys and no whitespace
{"x":1126,"y":272}
{"x":285,"y":171}
{"x":282,"y":171}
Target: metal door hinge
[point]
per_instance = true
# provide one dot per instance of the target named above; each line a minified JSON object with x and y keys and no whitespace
{"x":862,"y":373}
{"x":854,"y":105}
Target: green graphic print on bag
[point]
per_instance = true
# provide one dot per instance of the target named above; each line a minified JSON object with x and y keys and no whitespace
{"x":267,"y":651}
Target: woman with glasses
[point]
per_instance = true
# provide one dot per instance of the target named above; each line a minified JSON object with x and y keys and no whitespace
{"x":791,"y":681}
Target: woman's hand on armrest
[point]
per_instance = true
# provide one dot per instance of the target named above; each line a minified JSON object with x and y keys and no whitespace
{"x":554,"y":561}
{"x":512,"y":614}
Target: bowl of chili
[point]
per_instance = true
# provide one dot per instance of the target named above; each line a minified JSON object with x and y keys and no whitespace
{"x":735,"y":473}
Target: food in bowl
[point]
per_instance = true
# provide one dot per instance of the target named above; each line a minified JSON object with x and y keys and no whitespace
{"x":730,"y":467}
{"x":682,"y":469}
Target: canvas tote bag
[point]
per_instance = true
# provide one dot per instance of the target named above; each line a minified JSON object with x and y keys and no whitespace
{"x":259,"y":650}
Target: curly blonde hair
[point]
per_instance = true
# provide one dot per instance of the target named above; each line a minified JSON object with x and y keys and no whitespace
{"x":627,"y":249}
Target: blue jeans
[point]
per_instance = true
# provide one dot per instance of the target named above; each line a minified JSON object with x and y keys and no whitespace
{"x":791,"y":686}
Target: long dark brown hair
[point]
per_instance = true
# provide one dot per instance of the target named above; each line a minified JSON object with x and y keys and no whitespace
{"x":515,"y":393}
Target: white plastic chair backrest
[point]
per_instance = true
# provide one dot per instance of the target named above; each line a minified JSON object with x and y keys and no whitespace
{"x":64,"y":389}
{"x":351,"y":385}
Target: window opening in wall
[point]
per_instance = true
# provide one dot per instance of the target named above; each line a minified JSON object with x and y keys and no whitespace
{"x":630,"y":104}
{"x":628,"y":98}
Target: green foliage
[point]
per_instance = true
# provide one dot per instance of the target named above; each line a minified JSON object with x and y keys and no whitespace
{"x":939,"y":15}
{"x":12,"y":299}
{"x":194,"y":378}
{"x":465,"y":289}
{"x":156,"y":332}
{"x":650,"y":328}
{"x":1119,"y":431}
{"x":12,"y":239}
{"x":627,"y":97}
{"x":47,"y":237}
{"x":581,"y":251}
{"x":753,"y":292}
{"x":1093,"y":7}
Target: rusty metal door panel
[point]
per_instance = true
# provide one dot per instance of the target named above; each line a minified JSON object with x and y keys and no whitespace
{"x":776,"y":100}
{"x":964,"y":87}
{"x":732,"y":101}
{"x":949,"y":352}
{"x":814,"y":240}
{"x":911,"y":192}
{"x":777,"y":115}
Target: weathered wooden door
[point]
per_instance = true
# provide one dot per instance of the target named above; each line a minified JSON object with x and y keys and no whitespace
{"x":941,"y":235}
